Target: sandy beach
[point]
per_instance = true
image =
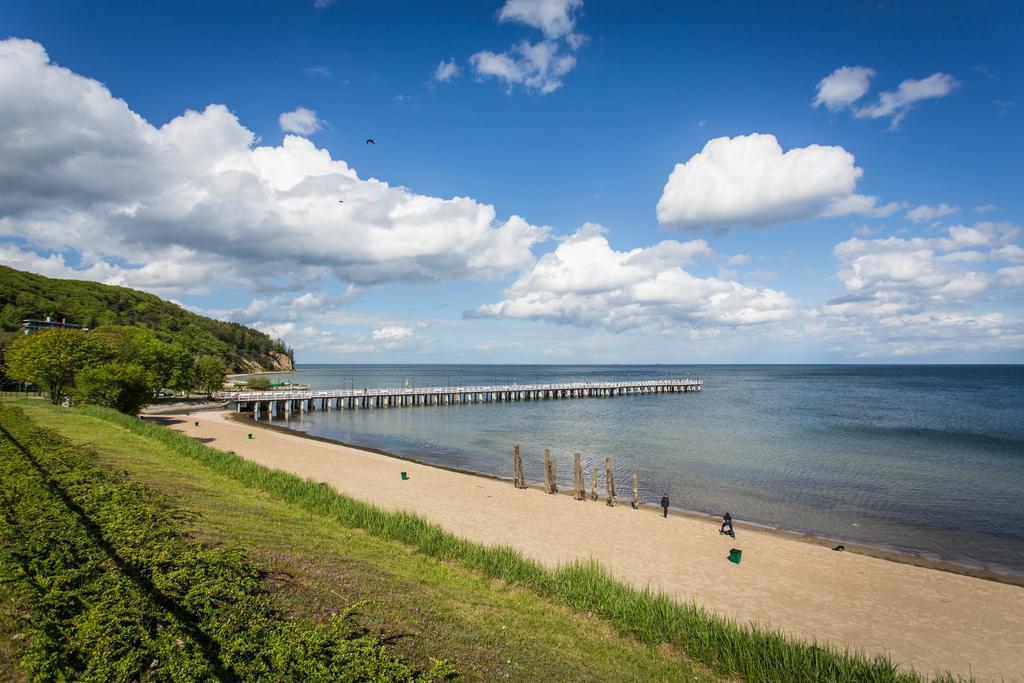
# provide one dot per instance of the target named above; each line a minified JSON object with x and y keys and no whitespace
{"x":931,"y":619}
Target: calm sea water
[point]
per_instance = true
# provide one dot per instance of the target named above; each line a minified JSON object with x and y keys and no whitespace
{"x":927,"y":459}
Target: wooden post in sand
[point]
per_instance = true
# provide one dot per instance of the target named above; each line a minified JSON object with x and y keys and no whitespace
{"x":636,"y":492}
{"x":577,"y":478}
{"x":593,"y":485}
{"x":610,"y":479}
{"x":518,"y":480}
{"x":550,"y":474}
{"x":547,"y":471}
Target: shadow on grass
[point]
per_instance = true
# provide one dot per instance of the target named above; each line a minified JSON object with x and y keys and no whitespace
{"x":185,"y":617}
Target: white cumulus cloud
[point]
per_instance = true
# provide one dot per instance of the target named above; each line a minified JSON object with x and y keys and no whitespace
{"x":197,"y":203}
{"x":843,"y":87}
{"x":911,"y":297}
{"x":555,"y":18}
{"x":586,"y":282}
{"x":301,"y":121}
{"x":749,"y":180}
{"x":536,"y":66}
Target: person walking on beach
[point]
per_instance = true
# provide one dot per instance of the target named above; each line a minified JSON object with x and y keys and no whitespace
{"x":727,"y":522}
{"x":664,"y":504}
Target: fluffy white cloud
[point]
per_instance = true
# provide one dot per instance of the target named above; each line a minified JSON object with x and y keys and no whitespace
{"x":897,"y":275}
{"x":446,"y":71}
{"x":895,"y":104}
{"x":301,"y":121}
{"x":917,"y":297}
{"x":749,"y":180}
{"x":536,"y":66}
{"x":393,"y":333}
{"x":925,"y":213}
{"x":555,"y":18}
{"x":197,"y":201}
{"x":843,"y":87}
{"x":585,"y":282}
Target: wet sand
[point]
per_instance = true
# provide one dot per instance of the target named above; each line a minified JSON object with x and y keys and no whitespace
{"x":934,"y":620}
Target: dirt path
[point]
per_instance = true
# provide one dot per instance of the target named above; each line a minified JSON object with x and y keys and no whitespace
{"x":931,"y":619}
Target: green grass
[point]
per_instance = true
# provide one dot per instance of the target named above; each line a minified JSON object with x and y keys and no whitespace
{"x":421,"y":606}
{"x":108,"y":588}
{"x":725,"y":648}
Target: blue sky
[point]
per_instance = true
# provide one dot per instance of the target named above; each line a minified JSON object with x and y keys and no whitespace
{"x":753,"y":182}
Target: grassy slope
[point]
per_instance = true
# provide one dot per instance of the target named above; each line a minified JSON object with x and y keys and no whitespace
{"x":425,"y":606}
{"x":10,"y":639}
{"x":27,"y":295}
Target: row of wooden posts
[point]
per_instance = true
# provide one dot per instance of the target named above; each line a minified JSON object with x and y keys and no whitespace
{"x":578,"y":484}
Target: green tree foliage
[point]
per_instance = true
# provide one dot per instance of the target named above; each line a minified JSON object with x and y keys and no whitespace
{"x":210,"y":374}
{"x":170,"y":363}
{"x":53,"y":359}
{"x":25,"y":295}
{"x":6,"y":338}
{"x":125,"y":387}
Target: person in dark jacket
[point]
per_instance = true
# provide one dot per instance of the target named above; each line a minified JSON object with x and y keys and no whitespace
{"x":664,"y":504}
{"x":727,"y":522}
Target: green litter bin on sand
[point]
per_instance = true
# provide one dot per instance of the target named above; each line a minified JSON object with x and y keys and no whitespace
{"x":735,"y":555}
{"x":405,"y":475}
{"x":197,"y":423}
{"x":250,"y":435}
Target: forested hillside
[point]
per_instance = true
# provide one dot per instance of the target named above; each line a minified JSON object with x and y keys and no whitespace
{"x":26,"y":295}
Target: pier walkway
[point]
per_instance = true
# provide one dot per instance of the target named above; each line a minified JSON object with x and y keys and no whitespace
{"x":273,"y":404}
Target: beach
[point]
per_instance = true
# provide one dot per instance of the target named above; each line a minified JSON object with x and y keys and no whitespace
{"x":933,"y":620}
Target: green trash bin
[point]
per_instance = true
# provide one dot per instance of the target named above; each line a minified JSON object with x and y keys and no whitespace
{"x":735,"y":555}
{"x":197,"y":423}
{"x":405,"y":475}
{"x":250,"y":435}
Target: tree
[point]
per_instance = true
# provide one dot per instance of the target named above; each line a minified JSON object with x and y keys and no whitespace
{"x":123,"y":386}
{"x":183,"y":368}
{"x":53,"y":358}
{"x":169,"y":362}
{"x":210,"y":373}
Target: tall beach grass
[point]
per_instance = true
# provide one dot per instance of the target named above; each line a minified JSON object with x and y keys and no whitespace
{"x":749,"y":652}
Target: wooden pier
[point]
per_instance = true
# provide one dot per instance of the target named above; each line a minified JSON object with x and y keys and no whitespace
{"x":271,"y":404}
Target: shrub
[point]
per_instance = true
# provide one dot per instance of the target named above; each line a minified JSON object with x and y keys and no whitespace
{"x":258,"y":383}
{"x":109,"y":587}
{"x":125,"y":387}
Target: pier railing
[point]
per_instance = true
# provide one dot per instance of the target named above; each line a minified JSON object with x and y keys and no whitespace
{"x":287,"y":402}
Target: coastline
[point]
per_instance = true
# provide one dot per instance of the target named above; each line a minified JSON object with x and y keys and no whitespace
{"x":259,"y":372}
{"x":935,"y":621}
{"x":882,"y":552}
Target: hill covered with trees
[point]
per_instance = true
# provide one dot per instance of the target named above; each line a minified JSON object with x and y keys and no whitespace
{"x":97,"y":306}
